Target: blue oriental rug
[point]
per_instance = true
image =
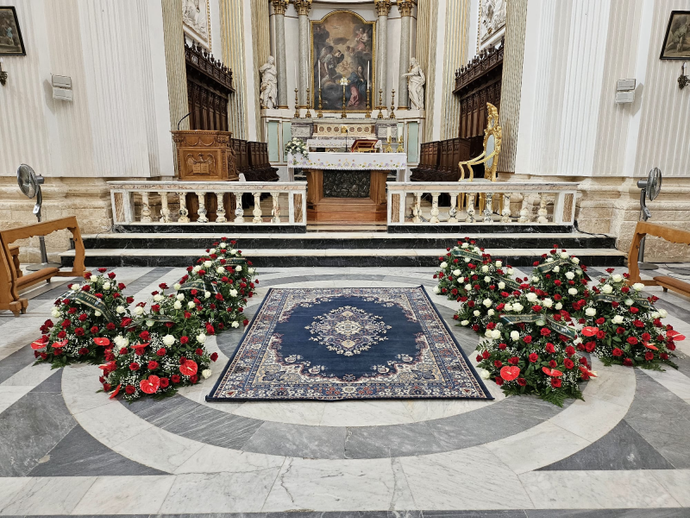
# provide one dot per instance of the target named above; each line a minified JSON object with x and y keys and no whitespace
{"x":332,"y":344}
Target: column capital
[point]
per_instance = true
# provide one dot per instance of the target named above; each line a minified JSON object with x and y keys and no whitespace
{"x":302,"y":6}
{"x":405,"y":7}
{"x":383,"y":7}
{"x":279,"y":6}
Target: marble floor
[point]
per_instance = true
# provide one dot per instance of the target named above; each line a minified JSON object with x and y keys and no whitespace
{"x":67,"y":450}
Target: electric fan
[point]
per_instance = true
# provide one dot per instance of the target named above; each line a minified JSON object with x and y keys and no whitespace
{"x":650,"y":190}
{"x":30,"y":184}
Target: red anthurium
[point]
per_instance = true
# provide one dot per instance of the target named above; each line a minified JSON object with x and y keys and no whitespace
{"x":38,"y":344}
{"x":189,"y":368}
{"x":59,"y":345}
{"x":590,"y":331}
{"x":115,"y":392}
{"x":139,"y":346}
{"x":150,"y":385}
{"x":551,"y":372}
{"x":675,"y":335}
{"x":510,"y":373}
{"x":102,"y":341}
{"x":650,"y":346}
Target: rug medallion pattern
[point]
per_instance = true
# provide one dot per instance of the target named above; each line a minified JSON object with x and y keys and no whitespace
{"x":333,"y":344}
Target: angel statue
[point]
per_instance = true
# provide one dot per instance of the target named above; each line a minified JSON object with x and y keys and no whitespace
{"x":269,"y":84}
{"x":415,"y":85}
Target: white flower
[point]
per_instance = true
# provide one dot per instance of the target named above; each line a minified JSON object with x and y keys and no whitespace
{"x":572,"y":291}
{"x":535,"y":278}
{"x":76,"y":287}
{"x":180,"y":297}
{"x":223,"y":245}
{"x":138,"y":310}
{"x":569,"y":275}
{"x":220,"y":270}
{"x":468,"y":287}
{"x":618,"y":319}
{"x":233,"y":293}
{"x":158,"y":297}
{"x":121,"y":341}
{"x":235,"y":324}
{"x":547,"y":303}
{"x":517,"y":307}
{"x":208,"y":264}
{"x":461,"y":279}
{"x":467,"y":259}
{"x":638,"y":286}
{"x":177,"y":305}
{"x":484,"y":374}
{"x":485,"y":268}
{"x":465,"y":323}
{"x":196,"y":268}
{"x":499,"y":264}
{"x":495,"y":334}
{"x":557,"y":269}
{"x":616,"y":277}
{"x":501,"y":285}
{"x":207,"y":294}
{"x":549,"y":259}
{"x":437,"y":290}
{"x":509,"y":271}
{"x":476,"y":313}
{"x":656,"y":315}
{"x":233,"y":252}
{"x":444,"y":265}
{"x":149,"y":323}
{"x":487,"y":303}
{"x":579,"y":272}
{"x":106,"y":286}
{"x":540,"y":323}
{"x":177,"y":286}
{"x":564,"y":255}
{"x":607,"y":288}
{"x":508,"y":307}
{"x":191,"y":304}
{"x":212,"y":251}
{"x":532,"y":297}
{"x":491,"y":312}
{"x":465,"y":245}
{"x":206,"y":373}
{"x":629,"y":302}
{"x":238,"y":268}
{"x":590,"y":312}
{"x":575,"y":260}
{"x":201,"y":338}
{"x":663,"y":313}
{"x":558,"y":306}
{"x":514,"y":336}
{"x":487,"y":333}
{"x":251,"y":271}
{"x":457,"y":273}
{"x":487,"y":279}
{"x":120,"y":309}
{"x":168,"y":340}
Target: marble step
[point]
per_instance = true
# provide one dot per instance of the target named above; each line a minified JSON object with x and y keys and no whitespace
{"x":365,"y":239}
{"x":293,"y":257}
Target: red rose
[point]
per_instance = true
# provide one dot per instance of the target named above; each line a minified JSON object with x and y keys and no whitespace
{"x":199,"y":352}
{"x":134,"y":366}
{"x":634,"y":310}
{"x":589,"y":346}
{"x":498,"y":380}
{"x":175,"y":378}
{"x":514,"y":360}
{"x":646,"y":337}
{"x":527,"y":339}
{"x":194,"y":379}
{"x":663,"y":356}
{"x":165,"y":382}
{"x":129,"y":300}
{"x":61,"y":335}
{"x":600,"y":320}
{"x":479,"y":358}
{"x":498,"y":364}
{"x":553,"y":364}
{"x":245,"y":322}
{"x":570,"y":350}
{"x":649,"y":356}
{"x":94,"y":330}
{"x":627,"y":362}
{"x":187,"y":314}
{"x":569,"y":364}
{"x":79,"y":331}
{"x":83,"y":317}
{"x":550,"y":348}
{"x":556,"y":382}
{"x":617,"y":352}
{"x":537,"y":308}
{"x":620,"y":330}
{"x":600,"y":334}
{"x":502,"y":347}
{"x":110,"y":326}
{"x":632,"y":340}
{"x":533,"y":357}
{"x":153,"y":365}
{"x":83,"y":351}
{"x":638,"y":323}
{"x":209,"y":329}
{"x":486,"y":355}
{"x":161,"y":351}
{"x":184,"y":340}
{"x":522,"y":382}
{"x":130,"y":389}
{"x":144,"y":335}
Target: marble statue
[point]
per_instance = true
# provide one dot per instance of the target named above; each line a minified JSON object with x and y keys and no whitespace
{"x":493,"y":17}
{"x":269,"y":84}
{"x":415,"y":85}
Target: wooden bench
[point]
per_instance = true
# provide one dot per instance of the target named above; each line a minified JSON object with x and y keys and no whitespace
{"x":11,"y":278}
{"x":672,"y":235}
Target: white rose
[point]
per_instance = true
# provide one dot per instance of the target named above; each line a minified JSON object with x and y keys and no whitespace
{"x":138,"y":310}
{"x":629,"y":302}
{"x":549,"y":259}
{"x":607,"y":288}
{"x":180,"y":297}
{"x":508,"y":307}
{"x":457,"y":273}
{"x":491,"y":312}
{"x":208,"y":264}
{"x":177,"y":305}
{"x":149,"y":323}
{"x":465,"y":323}
{"x":191,"y":304}
{"x":485,"y":268}
{"x":251,"y":271}
{"x":196,"y":268}
{"x":212,"y":251}
{"x":201,"y":338}
{"x":558,"y":306}
{"x":233,"y":293}
{"x":467,"y":259}
{"x":517,"y":307}
{"x":575,"y":260}
{"x":509,"y":271}
{"x":514,"y":336}
{"x":564,"y":255}
{"x":616,"y":277}
{"x":638,"y":286}
{"x":656,"y":315}
{"x":590,"y":312}
{"x":535,"y":278}
{"x":487,"y":333}
{"x":235,"y":324}
{"x":617,"y":319}
{"x":499,"y":264}
{"x":547,"y":303}
{"x":663,"y":313}
{"x":572,"y":291}
{"x":557,"y":269}
{"x":476,"y":313}
{"x":532,"y":297}
{"x":579,"y":272}
{"x":121,"y":341}
{"x":468,"y":287}
{"x":569,"y":275}
{"x":220,"y":270}
{"x":540,"y":323}
{"x":461,"y":279}
{"x":223,"y":245}
{"x":501,"y":285}
{"x":238,"y":269}
{"x":484,"y":374}
{"x":55,"y":312}
{"x":76,"y":287}
{"x":158,"y":297}
{"x":233,"y":251}
{"x":106,"y":286}
{"x":177,"y":286}
{"x":495,"y":334}
{"x":465,"y":245}
{"x":168,"y":340}
{"x":207,"y":294}
{"x":120,"y":309}
{"x":437,"y":290}
{"x":487,"y":279}
{"x":444,"y":265}
{"x":206,"y":373}
{"x":487,"y":303}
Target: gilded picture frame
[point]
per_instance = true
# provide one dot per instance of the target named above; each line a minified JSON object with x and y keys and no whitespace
{"x":11,"y":41}
{"x":196,"y":21}
{"x":343,"y":45}
{"x":676,"y":43}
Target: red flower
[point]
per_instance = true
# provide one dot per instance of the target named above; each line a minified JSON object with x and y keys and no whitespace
{"x":569,"y":364}
{"x":161,"y":351}
{"x":638,"y":323}
{"x":663,"y":356}
{"x":498,"y":364}
{"x":649,"y":356}
{"x":634,"y":310}
{"x":590,"y":346}
{"x":79,"y":331}
{"x":553,"y":364}
{"x":537,"y":308}
{"x":130,"y":389}
{"x":551,"y":372}
{"x":514,"y":360}
{"x":550,"y":348}
{"x":150,"y":385}
{"x":632,"y":340}
{"x":199,"y":352}
{"x":153,"y":365}
{"x":59,"y":345}
{"x":502,"y":347}
{"x":589,"y":331}
{"x":498,"y":380}
{"x":617,"y":352}
{"x":527,"y":339}
{"x":144,"y":335}
{"x":194,"y":378}
{"x":510,"y":373}
{"x":184,"y":339}
{"x":94,"y":330}
{"x":627,"y":362}
{"x":209,"y":329}
{"x":189,"y":368}
{"x":175,"y":378}
{"x":522,"y":382}
{"x":533,"y":357}
{"x":555,"y":383}
{"x":165,"y":382}
{"x":245,"y":322}
{"x":83,"y":351}
{"x":570,"y":350}
{"x":134,"y":366}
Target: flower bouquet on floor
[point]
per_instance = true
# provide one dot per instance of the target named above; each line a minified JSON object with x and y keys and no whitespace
{"x":160,"y":352}
{"x":564,"y":279}
{"x":531,"y":351}
{"x":454,"y":268}
{"x":84,"y":322}
{"x":625,"y":328}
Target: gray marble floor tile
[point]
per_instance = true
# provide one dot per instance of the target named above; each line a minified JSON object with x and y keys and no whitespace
{"x":311,"y":442}
{"x":474,"y":514}
{"x":31,"y":427}
{"x":43,"y":496}
{"x":608,"y":513}
{"x":79,"y":454}
{"x":16,"y":362}
{"x":622,"y":448}
{"x":371,"y":442}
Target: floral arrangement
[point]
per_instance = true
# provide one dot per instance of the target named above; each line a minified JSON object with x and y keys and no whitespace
{"x":85,"y":319}
{"x":297,"y":147}
{"x":454,"y":268}
{"x":625,"y":328}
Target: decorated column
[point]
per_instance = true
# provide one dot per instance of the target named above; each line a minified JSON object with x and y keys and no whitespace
{"x":279,"y":7}
{"x":303,"y":7}
{"x":383,"y":7}
{"x":405,"y":9}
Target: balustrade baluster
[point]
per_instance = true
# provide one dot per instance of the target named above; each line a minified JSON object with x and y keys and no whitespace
{"x":165,"y":210}
{"x":239,"y":211}
{"x":145,"y":208}
{"x":276,"y":207}
{"x":524,"y":211}
{"x":417,"y":211}
{"x":257,"y":208}
{"x":453,"y":211}
{"x":184,"y":213}
{"x":434,"y":208}
{"x":488,"y":208}
{"x":202,"y":207}
{"x":542,"y":209}
{"x":220,"y":211}
{"x":506,"y":208}
{"x":470,"y":208}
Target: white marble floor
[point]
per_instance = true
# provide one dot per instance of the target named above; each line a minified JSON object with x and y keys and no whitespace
{"x":67,"y":450}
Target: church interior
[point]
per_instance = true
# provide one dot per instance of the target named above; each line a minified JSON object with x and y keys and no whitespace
{"x":345,"y":258}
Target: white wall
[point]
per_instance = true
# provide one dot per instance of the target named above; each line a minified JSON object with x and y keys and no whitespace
{"x":569,"y":123}
{"x":118,"y":124}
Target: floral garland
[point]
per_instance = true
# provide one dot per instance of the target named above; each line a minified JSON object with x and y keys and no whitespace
{"x":297,"y":147}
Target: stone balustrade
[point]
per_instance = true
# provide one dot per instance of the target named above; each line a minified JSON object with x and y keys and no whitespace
{"x":166,"y":202}
{"x":482,"y":202}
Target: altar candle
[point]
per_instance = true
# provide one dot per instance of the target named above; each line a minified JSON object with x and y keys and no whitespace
{"x":368,"y":71}
{"x":319,"y":74}
{"x":388,"y":132}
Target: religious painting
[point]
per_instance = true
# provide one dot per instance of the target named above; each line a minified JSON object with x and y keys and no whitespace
{"x":342,"y":56}
{"x":11,"y":43}
{"x":677,"y":40}
{"x":196,"y":21}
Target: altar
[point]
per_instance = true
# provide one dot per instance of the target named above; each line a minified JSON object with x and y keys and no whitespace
{"x":347,"y":187}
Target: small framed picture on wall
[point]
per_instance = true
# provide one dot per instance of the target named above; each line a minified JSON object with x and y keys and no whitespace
{"x":677,"y":39}
{"x":11,"y":43}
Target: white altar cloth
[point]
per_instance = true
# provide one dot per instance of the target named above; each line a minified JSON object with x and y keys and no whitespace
{"x":350,"y":162}
{"x":336,"y":142}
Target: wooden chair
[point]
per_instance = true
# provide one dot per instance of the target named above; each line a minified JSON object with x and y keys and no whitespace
{"x":672,"y":235}
{"x":11,"y":280}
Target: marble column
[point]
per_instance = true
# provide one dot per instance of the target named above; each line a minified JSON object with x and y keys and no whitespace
{"x":279,"y":7}
{"x":303,"y":7}
{"x":383,"y":7}
{"x":405,"y":9}
{"x":175,"y":67}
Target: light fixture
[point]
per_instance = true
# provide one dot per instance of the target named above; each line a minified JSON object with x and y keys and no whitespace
{"x":683,"y":79}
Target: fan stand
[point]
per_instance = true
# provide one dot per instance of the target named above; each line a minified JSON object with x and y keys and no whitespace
{"x":42,"y":246}
{"x":644,"y":212}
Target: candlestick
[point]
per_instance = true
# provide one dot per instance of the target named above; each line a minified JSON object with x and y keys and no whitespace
{"x":389,"y":148}
{"x":308,"y":106}
{"x":388,"y":133}
{"x":343,"y":83}
{"x":392,"y":104}
{"x":320,"y":112}
{"x":296,"y":105}
{"x":400,"y":149}
{"x":380,"y":106}
{"x":367,"y":115}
